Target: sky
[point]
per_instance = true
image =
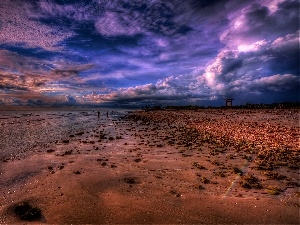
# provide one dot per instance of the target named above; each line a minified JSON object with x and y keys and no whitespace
{"x":130,"y":53}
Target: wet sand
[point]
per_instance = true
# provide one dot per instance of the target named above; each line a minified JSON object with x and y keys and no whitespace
{"x":206,"y":166}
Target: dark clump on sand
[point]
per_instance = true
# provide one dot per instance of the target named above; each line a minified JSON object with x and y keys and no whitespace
{"x":26,"y":212}
{"x":130,"y":180}
{"x":250,"y":181}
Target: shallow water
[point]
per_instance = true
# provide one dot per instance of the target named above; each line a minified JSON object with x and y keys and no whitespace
{"x":25,"y":132}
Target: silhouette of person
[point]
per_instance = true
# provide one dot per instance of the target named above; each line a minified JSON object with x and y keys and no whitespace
{"x":98,"y":114}
{"x":107,"y":114}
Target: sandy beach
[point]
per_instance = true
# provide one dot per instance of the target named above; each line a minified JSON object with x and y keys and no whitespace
{"x":207,"y":166}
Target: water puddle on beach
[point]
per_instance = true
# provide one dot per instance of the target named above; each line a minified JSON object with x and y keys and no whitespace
{"x":23,"y":132}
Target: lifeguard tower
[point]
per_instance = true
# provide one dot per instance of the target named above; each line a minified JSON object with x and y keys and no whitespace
{"x":228,"y":102}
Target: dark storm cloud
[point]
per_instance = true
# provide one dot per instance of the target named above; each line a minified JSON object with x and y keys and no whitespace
{"x":13,"y":87}
{"x":254,"y":65}
{"x":13,"y":61}
{"x":257,"y":22}
{"x":134,"y":17}
{"x":70,"y":71}
{"x":36,"y":102}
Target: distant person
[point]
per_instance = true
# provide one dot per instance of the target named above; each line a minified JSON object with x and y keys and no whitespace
{"x":107,"y":114}
{"x":98,"y":114}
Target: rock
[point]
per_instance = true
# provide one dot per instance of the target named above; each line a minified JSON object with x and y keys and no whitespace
{"x":50,"y":150}
{"x":274,"y":190}
{"x":237,"y":171}
{"x":4,"y":160}
{"x":265,"y":166}
{"x":292,"y":184}
{"x":200,"y":187}
{"x":173,"y":192}
{"x":102,"y":136}
{"x":204,"y":180}
{"x":274,"y":175}
{"x":77,"y":172}
{"x":138,"y":160}
{"x":61,"y":166}
{"x":293,"y":166}
{"x":130,"y":180}
{"x":198,"y":166}
{"x":249,"y":181}
{"x":219,"y":173}
{"x":68,"y":152}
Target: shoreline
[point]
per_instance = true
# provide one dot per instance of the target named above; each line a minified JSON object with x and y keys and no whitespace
{"x":144,"y":169}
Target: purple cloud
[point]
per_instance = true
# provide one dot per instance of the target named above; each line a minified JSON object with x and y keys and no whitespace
{"x":114,"y":24}
{"x":17,"y":28}
{"x":277,"y":82}
{"x":257,"y":22}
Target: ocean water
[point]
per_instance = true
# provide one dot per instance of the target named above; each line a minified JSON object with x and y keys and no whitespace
{"x":25,"y":132}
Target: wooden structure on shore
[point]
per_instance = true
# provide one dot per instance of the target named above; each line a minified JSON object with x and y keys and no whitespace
{"x":228,"y":102}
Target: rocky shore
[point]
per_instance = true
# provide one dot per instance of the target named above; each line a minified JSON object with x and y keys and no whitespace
{"x":203,"y":166}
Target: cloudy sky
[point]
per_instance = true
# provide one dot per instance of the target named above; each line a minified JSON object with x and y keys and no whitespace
{"x":137,"y":52}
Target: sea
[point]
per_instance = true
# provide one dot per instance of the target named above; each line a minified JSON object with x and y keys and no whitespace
{"x":23,"y":133}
